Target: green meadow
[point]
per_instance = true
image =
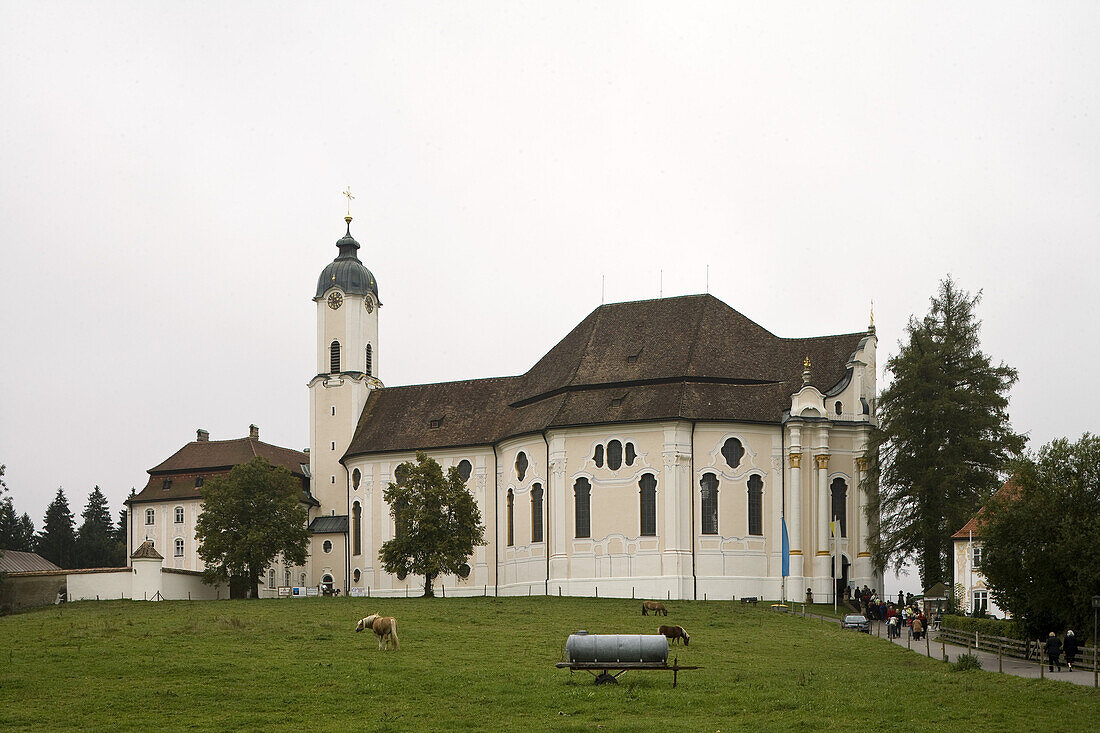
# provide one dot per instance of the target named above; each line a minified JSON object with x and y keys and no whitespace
{"x":485,"y":664}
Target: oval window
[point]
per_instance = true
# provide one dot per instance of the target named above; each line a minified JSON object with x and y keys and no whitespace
{"x":327,"y":546}
{"x":521,"y":465}
{"x":614,"y":455}
{"x":464,"y":571}
{"x":732,"y":451}
{"x":465,"y":469}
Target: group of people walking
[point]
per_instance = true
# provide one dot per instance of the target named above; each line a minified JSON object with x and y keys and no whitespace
{"x":904,"y":614}
{"x":1054,"y":647}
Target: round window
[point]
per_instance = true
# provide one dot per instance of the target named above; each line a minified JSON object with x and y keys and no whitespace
{"x":356,"y":575}
{"x":464,"y":571}
{"x":327,"y":546}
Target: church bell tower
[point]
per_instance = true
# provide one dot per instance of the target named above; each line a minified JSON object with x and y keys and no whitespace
{"x":347,"y":308}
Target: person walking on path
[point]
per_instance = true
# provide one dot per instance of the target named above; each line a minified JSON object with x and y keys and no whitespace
{"x":1070,"y":648}
{"x":1053,"y":649}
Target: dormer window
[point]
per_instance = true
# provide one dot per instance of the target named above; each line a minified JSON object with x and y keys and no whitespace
{"x":436,"y":423}
{"x":633,"y":358}
{"x":617,"y":401}
{"x":198,"y":482}
{"x":167,"y":484}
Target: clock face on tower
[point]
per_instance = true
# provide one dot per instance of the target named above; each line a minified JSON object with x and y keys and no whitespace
{"x":335,"y":300}
{"x":368,"y":303}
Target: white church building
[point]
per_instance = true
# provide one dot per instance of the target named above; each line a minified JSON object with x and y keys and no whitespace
{"x":655,"y":451}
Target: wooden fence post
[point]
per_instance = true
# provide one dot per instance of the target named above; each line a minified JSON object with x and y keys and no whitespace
{"x":1000,"y":657}
{"x":1042,"y":672}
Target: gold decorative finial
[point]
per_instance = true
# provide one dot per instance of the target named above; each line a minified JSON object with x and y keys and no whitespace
{"x":806,"y":363}
{"x":806,"y":370}
{"x":350,"y":197}
{"x":872,"y":311}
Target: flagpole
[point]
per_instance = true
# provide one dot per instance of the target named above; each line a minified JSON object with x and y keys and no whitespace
{"x":832,"y":528}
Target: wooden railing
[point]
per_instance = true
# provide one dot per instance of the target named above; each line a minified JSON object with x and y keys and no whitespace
{"x":1030,"y":650}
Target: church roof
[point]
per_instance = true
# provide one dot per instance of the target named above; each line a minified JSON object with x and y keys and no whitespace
{"x":973,"y":527}
{"x":690,"y":357}
{"x":347,"y":272}
{"x":146,"y":551}
{"x":174,"y":478}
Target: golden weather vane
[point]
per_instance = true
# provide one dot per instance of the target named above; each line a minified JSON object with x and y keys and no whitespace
{"x":350,"y":197}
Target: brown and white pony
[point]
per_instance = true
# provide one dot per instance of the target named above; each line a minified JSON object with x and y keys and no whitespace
{"x":655,"y":606}
{"x":673,"y":633}
{"x":384,"y":627}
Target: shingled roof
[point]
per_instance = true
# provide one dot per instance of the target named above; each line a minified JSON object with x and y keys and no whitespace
{"x":691,"y":357}
{"x":973,"y":528}
{"x":175,"y":477}
{"x":14,"y":561}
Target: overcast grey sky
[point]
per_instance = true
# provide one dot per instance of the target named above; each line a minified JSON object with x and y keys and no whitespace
{"x":170,"y":178}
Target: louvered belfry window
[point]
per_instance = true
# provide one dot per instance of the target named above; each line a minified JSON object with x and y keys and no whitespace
{"x":334,"y":357}
{"x":370,"y":360}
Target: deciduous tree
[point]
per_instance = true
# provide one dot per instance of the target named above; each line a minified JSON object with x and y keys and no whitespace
{"x":437,"y":522}
{"x":1041,"y":538}
{"x":57,"y":540}
{"x":249,"y":518}
{"x":943,"y":438}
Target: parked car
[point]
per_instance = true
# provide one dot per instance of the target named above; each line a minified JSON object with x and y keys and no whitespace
{"x":856,"y":622}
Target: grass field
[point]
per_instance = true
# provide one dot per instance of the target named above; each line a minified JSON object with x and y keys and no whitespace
{"x":485,"y":664}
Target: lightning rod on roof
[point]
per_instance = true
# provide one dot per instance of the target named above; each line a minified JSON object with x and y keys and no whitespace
{"x":603,"y":287}
{"x":708,"y":279}
{"x":661,"y":284}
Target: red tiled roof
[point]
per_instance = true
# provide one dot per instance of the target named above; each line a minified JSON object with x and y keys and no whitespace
{"x":690,"y":357}
{"x":971,"y":528}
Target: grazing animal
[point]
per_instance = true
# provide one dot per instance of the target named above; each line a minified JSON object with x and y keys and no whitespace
{"x":673,"y":633}
{"x":655,"y":606}
{"x":384,"y":627}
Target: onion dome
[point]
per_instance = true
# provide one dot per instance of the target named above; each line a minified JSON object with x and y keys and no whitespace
{"x":346,"y":271}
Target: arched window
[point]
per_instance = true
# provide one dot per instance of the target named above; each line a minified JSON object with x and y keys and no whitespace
{"x":756,"y":504}
{"x":597,"y":457}
{"x":465,"y":469}
{"x":511,"y":522}
{"x":286,"y":577}
{"x":839,"y":489}
{"x":709,"y":497}
{"x":647,"y":504}
{"x":356,"y":477}
{"x":150,"y":516}
{"x":521,"y":465}
{"x":334,"y":357}
{"x":733,"y":451}
{"x":179,"y":547}
{"x":370,"y":361}
{"x":271,"y":578}
{"x":631,"y":454}
{"x":614,"y":455}
{"x":302,"y":581}
{"x":179,"y":515}
{"x":536,"y":513}
{"x":582,"y":500}
{"x":356,"y":529}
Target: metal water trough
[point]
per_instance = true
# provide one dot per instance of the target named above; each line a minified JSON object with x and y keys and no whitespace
{"x":600,"y":654}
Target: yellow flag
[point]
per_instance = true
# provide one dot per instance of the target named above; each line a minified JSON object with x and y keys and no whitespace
{"x":832,"y":528}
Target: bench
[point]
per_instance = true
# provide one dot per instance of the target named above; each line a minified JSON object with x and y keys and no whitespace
{"x":604,"y":669}
{"x":750,"y":599}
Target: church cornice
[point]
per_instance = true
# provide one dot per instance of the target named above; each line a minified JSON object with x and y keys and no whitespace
{"x":641,"y":383}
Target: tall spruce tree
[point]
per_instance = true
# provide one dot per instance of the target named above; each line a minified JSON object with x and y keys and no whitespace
{"x":95,"y":541}
{"x":57,"y":540}
{"x":943,"y":437}
{"x":16,"y":533}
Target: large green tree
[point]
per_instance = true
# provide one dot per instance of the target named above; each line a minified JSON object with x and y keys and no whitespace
{"x":943,"y":438}
{"x":249,"y":518}
{"x":57,"y":540}
{"x":1041,"y":538}
{"x":95,"y":542}
{"x":437,"y":522}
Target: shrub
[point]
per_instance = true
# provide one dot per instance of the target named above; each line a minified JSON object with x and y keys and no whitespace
{"x":967,"y":662}
{"x":984,"y":626}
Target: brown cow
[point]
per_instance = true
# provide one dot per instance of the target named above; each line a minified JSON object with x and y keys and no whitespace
{"x":655,"y":606}
{"x":673,"y":633}
{"x":384,"y":627}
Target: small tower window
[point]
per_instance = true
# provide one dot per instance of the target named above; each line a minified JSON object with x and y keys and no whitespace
{"x":370,"y":360}
{"x":334,"y":357}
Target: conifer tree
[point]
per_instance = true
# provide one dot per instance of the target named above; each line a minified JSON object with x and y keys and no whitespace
{"x":57,"y":540}
{"x":943,"y":437}
{"x":95,"y":542}
{"x":16,"y":533}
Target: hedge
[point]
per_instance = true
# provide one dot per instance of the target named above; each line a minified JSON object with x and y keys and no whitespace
{"x":984,"y":626}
